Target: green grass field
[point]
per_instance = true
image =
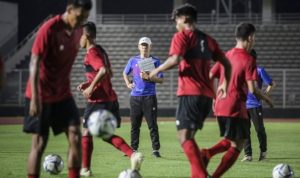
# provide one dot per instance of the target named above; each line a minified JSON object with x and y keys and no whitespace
{"x":283,"y":146}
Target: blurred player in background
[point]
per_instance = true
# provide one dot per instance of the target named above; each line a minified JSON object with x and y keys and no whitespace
{"x":143,"y":100}
{"x":255,"y":113}
{"x":193,"y":50}
{"x":231,"y":111}
{"x":100,"y":95}
{"x":49,"y":102}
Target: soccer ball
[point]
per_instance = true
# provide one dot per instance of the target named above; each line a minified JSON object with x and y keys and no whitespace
{"x":283,"y":171}
{"x":53,"y":164}
{"x":129,"y":173}
{"x":102,"y":123}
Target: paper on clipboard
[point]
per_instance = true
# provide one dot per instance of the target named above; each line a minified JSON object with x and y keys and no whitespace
{"x":146,"y":64}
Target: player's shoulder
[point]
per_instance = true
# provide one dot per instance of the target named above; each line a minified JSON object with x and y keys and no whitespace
{"x":52,"y":23}
{"x":183,"y":35}
{"x":93,"y":50}
{"x":134,"y":58}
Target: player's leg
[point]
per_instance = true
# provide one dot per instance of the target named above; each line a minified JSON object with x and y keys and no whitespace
{"x":248,"y":144}
{"x":189,"y":118}
{"x":222,"y":146}
{"x":150,"y":112}
{"x":87,"y":145}
{"x":136,"y":116}
{"x":207,"y":153}
{"x":74,"y":153}
{"x":259,"y":126}
{"x":39,"y":128}
{"x":66,"y":119}
{"x":117,"y":141}
{"x":120,"y":144}
{"x":38,"y":145}
{"x":229,"y":158}
{"x":236,"y":130}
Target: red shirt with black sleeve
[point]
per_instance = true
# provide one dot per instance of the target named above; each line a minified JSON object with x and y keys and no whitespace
{"x":243,"y":70}
{"x":57,"y":50}
{"x":95,"y":59}
{"x":197,"y":49}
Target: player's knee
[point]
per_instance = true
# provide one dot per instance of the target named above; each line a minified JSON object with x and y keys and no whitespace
{"x":39,"y":145}
{"x":238,"y":144}
{"x":183,"y":135}
{"x":74,"y":135}
{"x":85,"y":132}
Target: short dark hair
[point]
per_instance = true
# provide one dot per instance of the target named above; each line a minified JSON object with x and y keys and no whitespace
{"x":186,"y":10}
{"x":91,"y":29}
{"x":253,"y":53}
{"x":85,"y":4}
{"x":244,"y":30}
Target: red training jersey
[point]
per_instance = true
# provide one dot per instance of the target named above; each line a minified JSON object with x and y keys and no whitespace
{"x":243,"y":70}
{"x":57,"y":50}
{"x":95,"y":59}
{"x":197,"y":49}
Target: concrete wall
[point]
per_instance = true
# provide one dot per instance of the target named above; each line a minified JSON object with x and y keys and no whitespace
{"x":9,"y":26}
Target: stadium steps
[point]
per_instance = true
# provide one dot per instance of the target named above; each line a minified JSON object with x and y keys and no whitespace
{"x":278,"y":46}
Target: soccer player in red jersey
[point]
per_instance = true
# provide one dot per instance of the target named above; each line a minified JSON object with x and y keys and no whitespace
{"x":193,"y":50}
{"x":49,"y":102}
{"x":231,"y":111}
{"x":100,"y":95}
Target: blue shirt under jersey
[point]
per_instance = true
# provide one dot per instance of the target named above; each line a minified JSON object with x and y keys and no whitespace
{"x":142,"y":87}
{"x":263,"y":77}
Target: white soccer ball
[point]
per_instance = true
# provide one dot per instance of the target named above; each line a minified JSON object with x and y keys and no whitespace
{"x":53,"y":164}
{"x":102,"y":123}
{"x":129,"y":173}
{"x":283,"y":171}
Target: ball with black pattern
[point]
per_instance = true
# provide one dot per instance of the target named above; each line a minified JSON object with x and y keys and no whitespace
{"x":53,"y":164}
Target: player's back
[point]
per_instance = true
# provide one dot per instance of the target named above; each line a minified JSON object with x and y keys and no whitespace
{"x":239,"y":60}
{"x":197,"y":49}
{"x":96,"y":58}
{"x":243,"y":69}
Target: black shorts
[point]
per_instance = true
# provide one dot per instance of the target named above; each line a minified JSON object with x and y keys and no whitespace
{"x":113,"y":107}
{"x":59,"y":116}
{"x":192,"y":111}
{"x":234,"y":128}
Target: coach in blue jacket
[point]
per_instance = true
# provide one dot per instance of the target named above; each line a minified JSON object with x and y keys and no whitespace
{"x":143,"y":100}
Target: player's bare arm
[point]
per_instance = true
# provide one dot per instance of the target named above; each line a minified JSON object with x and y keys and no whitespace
{"x":171,"y":62}
{"x":129,"y":84}
{"x":100,"y":75}
{"x":82,"y":86}
{"x":270,"y":88}
{"x":258,"y":93}
{"x":35,"y":104}
{"x":145,"y":76}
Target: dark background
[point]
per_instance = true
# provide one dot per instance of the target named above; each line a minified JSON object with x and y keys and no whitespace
{"x":32,"y":12}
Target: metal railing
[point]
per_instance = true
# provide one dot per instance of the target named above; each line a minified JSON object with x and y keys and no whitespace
{"x":286,"y":94}
{"x":256,"y":18}
{"x":25,"y":40}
